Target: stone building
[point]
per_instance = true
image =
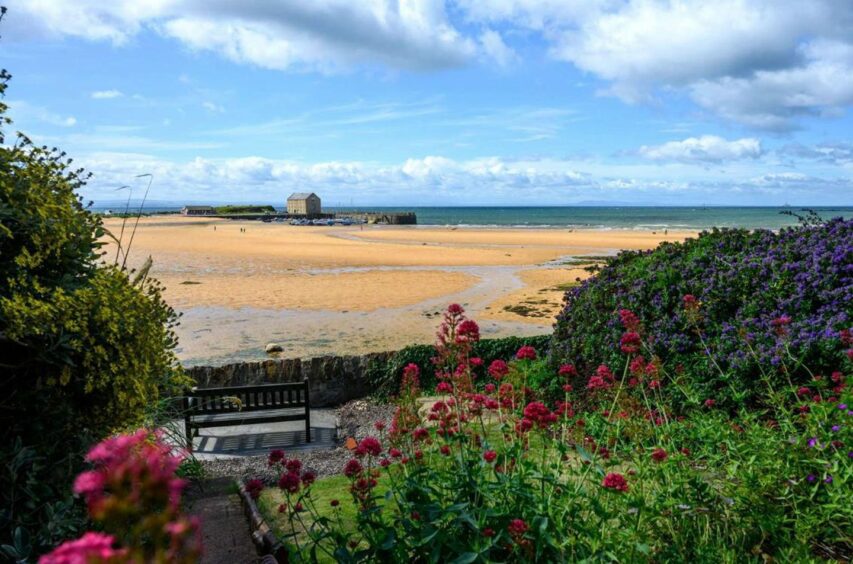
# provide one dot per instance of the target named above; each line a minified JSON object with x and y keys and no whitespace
{"x":303,"y":203}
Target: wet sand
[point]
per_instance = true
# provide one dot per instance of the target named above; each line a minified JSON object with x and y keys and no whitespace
{"x":351,"y":290}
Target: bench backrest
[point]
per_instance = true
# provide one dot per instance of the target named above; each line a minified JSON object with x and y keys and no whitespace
{"x":210,"y":401}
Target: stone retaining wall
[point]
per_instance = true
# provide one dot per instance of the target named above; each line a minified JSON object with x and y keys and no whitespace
{"x":333,"y":380}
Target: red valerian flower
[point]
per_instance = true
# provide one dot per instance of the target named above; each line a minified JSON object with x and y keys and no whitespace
{"x":629,"y":319}
{"x":488,"y":532}
{"x":710,"y":402}
{"x":526,"y":353}
{"x":637,"y":366}
{"x":410,"y":383}
{"x":353,"y":468}
{"x":275,"y":456}
{"x":568,"y":370}
{"x":524,"y":425}
{"x":654,"y":384}
{"x":490,"y":388}
{"x":293,"y":465}
{"x":490,"y":456}
{"x":308,"y":478}
{"x":91,"y":484}
{"x":616,"y":482}
{"x":370,"y":445}
{"x":604,"y":371}
{"x":395,"y":453}
{"x":630,"y":343}
{"x":379,"y":425}
{"x":289,"y":482}
{"x":659,"y":455}
{"x":537,"y":412}
{"x":455,"y":309}
{"x":564,"y":409}
{"x":445,"y":450}
{"x":780,"y":325}
{"x":91,"y":547}
{"x":475,"y":361}
{"x":803,"y":391}
{"x":498,"y":369}
{"x":597,"y":383}
{"x":444,"y":388}
{"x":517,"y":527}
{"x":690,"y":302}
{"x":468,"y":330}
{"x":254,"y":487}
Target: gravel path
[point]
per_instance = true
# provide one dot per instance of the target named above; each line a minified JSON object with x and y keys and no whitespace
{"x":355,"y":419}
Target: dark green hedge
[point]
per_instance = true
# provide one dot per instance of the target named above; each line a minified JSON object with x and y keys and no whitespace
{"x":386,"y":375}
{"x":244,"y":209}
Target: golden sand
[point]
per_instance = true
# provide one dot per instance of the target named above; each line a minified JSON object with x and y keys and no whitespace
{"x":347,"y":291}
{"x":355,"y":289}
{"x":540,"y":300}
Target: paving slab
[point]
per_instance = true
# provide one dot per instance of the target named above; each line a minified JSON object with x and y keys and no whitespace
{"x":259,"y":438}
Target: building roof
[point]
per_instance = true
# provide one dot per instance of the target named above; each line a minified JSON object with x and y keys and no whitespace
{"x":198,"y":207}
{"x":301,"y":195}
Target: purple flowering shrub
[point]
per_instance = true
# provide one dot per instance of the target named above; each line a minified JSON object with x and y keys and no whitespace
{"x":767,"y":300}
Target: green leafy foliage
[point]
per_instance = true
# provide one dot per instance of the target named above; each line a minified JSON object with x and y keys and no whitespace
{"x":244,"y":209}
{"x":612,"y":474}
{"x":84,"y":348}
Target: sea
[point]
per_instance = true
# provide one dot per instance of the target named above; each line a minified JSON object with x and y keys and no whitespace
{"x":652,"y":218}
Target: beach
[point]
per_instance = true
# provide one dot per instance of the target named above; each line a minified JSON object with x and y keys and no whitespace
{"x":355,"y":289}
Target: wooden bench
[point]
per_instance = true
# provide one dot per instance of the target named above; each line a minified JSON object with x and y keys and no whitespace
{"x":246,"y":405}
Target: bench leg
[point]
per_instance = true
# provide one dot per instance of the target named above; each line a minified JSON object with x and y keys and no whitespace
{"x":189,"y":434}
{"x":308,"y":427}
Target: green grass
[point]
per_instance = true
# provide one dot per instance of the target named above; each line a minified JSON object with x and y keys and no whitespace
{"x":323,"y":491}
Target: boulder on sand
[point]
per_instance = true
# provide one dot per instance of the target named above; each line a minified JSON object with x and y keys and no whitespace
{"x":274,"y":348}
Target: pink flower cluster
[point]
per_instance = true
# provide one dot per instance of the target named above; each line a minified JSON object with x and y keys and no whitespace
{"x":91,"y":547}
{"x":134,"y":493}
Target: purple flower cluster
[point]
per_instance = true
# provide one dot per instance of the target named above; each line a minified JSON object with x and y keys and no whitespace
{"x":764,"y":296}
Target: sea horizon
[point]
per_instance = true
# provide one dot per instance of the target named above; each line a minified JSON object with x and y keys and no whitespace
{"x":576,"y":216}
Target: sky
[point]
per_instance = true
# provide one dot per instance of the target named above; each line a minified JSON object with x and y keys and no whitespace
{"x":442,"y":102}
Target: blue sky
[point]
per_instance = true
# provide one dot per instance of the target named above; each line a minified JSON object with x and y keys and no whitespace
{"x":431,"y":102}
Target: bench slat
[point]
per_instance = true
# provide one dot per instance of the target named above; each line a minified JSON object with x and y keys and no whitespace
{"x":211,"y":402}
{"x":249,"y":421}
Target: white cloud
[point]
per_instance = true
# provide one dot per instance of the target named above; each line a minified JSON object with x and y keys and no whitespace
{"x":438,"y":180}
{"x":24,"y":113}
{"x":495,"y":48}
{"x":763,"y":63}
{"x":320,"y":35}
{"x":212,"y":107}
{"x":821,"y":83}
{"x":707,"y":148}
{"x":840,"y":154}
{"x":106,"y":94}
